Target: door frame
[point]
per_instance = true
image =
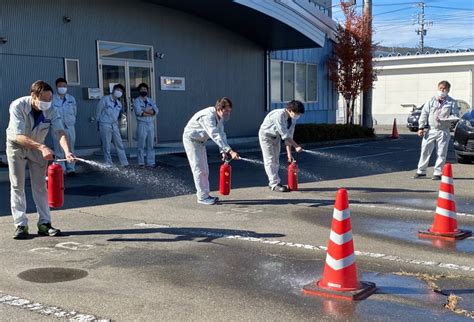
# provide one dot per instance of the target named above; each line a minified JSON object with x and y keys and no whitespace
{"x":127,"y":63}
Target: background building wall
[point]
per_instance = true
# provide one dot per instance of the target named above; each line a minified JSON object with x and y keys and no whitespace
{"x":407,"y":80}
{"x":215,"y":62}
{"x":324,"y":109}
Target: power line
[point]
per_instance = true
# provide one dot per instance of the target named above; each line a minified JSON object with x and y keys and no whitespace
{"x":393,"y":4}
{"x":451,"y":8}
{"x":387,"y":12}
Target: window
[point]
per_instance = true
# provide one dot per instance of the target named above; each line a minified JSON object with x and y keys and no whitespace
{"x":288,"y":81}
{"x":300,"y":84}
{"x":293,"y":81}
{"x":275,"y":73}
{"x":71,"y":68}
{"x":124,"y":51}
{"x":312,"y":95}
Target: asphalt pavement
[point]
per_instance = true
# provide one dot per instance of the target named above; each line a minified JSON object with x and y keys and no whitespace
{"x":137,"y":246}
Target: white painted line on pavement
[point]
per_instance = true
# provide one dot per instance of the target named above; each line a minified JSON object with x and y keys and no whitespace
{"x":393,"y":258}
{"x":43,"y":309}
{"x":201,"y":233}
{"x":375,"y":206}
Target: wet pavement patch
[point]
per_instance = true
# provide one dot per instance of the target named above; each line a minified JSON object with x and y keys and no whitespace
{"x":52,"y":275}
{"x":94,"y":190}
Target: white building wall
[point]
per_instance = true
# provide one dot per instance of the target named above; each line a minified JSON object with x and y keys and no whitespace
{"x":413,"y":80}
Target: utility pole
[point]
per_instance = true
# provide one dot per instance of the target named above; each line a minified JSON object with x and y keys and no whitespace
{"x":422,"y":23}
{"x":367,"y":95}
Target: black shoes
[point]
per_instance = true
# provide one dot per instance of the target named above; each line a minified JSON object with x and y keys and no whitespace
{"x":21,"y":232}
{"x":419,"y":175}
{"x":48,"y":230}
{"x":422,"y":175}
{"x":70,"y":174}
{"x":279,"y":188}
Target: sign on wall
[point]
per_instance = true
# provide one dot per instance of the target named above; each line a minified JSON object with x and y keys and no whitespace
{"x":172,"y":83}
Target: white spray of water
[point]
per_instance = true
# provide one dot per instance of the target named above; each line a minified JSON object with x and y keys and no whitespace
{"x":251,"y":161}
{"x":150,"y":177}
{"x":303,"y":173}
{"x":344,"y":159}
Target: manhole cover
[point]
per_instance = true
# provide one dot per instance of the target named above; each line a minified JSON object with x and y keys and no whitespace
{"x":94,"y":190}
{"x":52,"y":275}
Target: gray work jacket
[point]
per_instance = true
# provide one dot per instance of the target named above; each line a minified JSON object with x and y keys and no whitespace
{"x":434,"y":111}
{"x":67,"y":109}
{"x":275,"y":124}
{"x":205,"y":125}
{"x":22,"y":121}
{"x":108,"y":110}
{"x":140,"y":106}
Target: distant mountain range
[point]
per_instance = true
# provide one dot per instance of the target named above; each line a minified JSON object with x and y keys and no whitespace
{"x":382,"y":50}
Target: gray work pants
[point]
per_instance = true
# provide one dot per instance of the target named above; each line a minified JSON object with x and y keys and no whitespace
{"x":432,"y":138}
{"x":109,"y":132}
{"x":18,"y":158}
{"x":271,"y":148}
{"x":197,"y":157}
{"x":146,"y":134}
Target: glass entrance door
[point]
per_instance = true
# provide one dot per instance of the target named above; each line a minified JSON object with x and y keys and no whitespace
{"x":129,"y":74}
{"x":111,"y":75}
{"x":129,"y":65}
{"x":137,"y":73}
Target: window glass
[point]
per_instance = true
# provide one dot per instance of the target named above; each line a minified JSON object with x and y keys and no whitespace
{"x":300,"y":88}
{"x":288,"y":81}
{"x":275,"y":74}
{"x":72,"y":71}
{"x":124,"y":51}
{"x":312,"y":83}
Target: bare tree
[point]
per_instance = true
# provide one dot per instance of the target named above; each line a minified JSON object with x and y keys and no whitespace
{"x":350,"y":67}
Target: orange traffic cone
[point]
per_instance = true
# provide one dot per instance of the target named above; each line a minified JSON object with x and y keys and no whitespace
{"x":394,"y":130}
{"x":445,"y":225}
{"x":340,"y":272}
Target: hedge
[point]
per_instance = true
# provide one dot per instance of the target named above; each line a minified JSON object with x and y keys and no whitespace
{"x":307,"y":133}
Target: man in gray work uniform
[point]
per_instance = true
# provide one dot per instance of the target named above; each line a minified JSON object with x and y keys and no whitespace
{"x":108,"y":111}
{"x":146,"y":111}
{"x":30,"y":120}
{"x":204,"y":125}
{"x":279,"y":125}
{"x":66,"y":106}
{"x":434,"y":127}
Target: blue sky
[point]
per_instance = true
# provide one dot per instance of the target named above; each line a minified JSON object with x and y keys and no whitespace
{"x":394,"y":21}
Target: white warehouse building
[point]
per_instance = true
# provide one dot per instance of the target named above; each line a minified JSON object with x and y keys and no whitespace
{"x":412,"y":79}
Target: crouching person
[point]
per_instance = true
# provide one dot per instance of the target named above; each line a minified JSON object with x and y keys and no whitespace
{"x":279,"y":125}
{"x":204,"y":125}
{"x":30,"y":120}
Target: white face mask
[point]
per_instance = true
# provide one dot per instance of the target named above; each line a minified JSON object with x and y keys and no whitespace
{"x":296,"y":116}
{"x":62,"y":90}
{"x":442,"y":94}
{"x":44,"y":105}
{"x":117,"y":93}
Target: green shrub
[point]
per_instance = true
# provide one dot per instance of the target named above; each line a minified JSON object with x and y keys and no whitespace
{"x":307,"y":133}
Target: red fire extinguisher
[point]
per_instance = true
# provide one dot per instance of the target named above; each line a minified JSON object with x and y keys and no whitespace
{"x":293,"y":176}
{"x":225,"y":176}
{"x":55,"y":185}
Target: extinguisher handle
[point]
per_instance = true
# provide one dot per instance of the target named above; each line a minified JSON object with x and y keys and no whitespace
{"x":226,"y":158}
